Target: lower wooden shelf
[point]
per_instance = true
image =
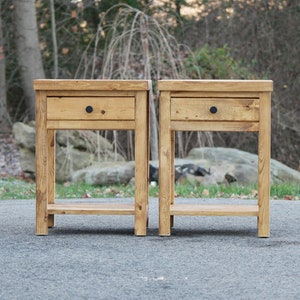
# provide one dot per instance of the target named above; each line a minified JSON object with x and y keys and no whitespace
{"x":213,"y":210}
{"x":91,"y":209}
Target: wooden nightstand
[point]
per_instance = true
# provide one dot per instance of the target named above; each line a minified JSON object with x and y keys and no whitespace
{"x":90,"y":104}
{"x":214,"y":105}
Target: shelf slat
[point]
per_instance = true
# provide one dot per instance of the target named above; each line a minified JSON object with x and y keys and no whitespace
{"x":214,"y":210}
{"x":92,"y":209}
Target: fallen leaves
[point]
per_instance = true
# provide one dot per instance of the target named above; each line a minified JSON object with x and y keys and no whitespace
{"x":205,"y":193}
{"x":86,"y":195}
{"x":290,"y":197}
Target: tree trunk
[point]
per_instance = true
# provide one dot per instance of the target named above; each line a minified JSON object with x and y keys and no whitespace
{"x":54,"y":39}
{"x":4,"y":116}
{"x":28,"y":51}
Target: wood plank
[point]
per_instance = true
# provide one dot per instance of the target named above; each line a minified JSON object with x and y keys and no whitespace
{"x":229,"y":109}
{"x":92,"y":209}
{"x":87,"y":85}
{"x":114,"y":104}
{"x":91,"y":125}
{"x":51,"y":173}
{"x":165,"y":165}
{"x":214,"y":210}
{"x":92,"y":93}
{"x":103,"y":108}
{"x":187,"y":115}
{"x":216,"y":85}
{"x":214,"y":126}
{"x":264,"y":156}
{"x":141,"y":163}
{"x":41,"y":165}
{"x":215,"y":94}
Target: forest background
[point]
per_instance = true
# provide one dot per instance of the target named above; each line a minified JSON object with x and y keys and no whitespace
{"x":95,"y":39}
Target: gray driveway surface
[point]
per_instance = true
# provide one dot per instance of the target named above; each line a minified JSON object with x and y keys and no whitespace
{"x":98,"y":257}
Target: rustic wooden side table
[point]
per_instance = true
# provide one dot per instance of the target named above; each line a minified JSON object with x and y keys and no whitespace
{"x":90,"y":104}
{"x":214,"y":105}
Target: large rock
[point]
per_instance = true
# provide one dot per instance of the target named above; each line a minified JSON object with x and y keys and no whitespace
{"x":75,"y":150}
{"x":239,"y":164}
{"x":69,"y":160}
{"x":85,"y":140}
{"x":80,"y":156}
{"x":106,"y":173}
{"x":27,"y":161}
{"x":227,"y":165}
{"x":24,"y":135}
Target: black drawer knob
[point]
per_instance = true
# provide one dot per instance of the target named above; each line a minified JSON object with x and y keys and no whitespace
{"x":89,"y":109}
{"x":213,"y":109}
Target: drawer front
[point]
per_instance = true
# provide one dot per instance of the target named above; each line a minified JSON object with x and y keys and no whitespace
{"x":218,"y":109}
{"x":90,"y":108}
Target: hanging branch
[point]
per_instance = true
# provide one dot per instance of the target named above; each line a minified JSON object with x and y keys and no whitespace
{"x":138,"y":47}
{"x":54,"y":39}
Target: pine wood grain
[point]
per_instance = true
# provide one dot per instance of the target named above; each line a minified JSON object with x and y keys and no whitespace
{"x":238,"y":126}
{"x":242,"y":105}
{"x":51,"y":173}
{"x":264,"y":156}
{"x":116,"y":104}
{"x":95,"y":125}
{"x":216,"y":85}
{"x":104,"y":108}
{"x":41,"y":164}
{"x":141,"y":163}
{"x":165,"y":165}
{"x":214,"y":210}
{"x":228,"y":109}
{"x":87,"y":85}
{"x":91,"y":209}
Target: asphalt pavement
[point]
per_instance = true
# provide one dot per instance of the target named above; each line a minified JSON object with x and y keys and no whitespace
{"x":98,"y":257}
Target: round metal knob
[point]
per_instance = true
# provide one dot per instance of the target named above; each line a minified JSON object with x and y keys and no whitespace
{"x":89,"y":109}
{"x":213,"y":109}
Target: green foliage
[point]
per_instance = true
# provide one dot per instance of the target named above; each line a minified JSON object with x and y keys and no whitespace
{"x":76,"y":28}
{"x":217,"y":63}
{"x":232,"y":37}
{"x":18,"y":189}
{"x":84,"y":190}
{"x":286,"y":191}
{"x":219,"y":191}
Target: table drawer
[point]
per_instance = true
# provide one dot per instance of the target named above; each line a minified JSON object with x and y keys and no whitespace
{"x":214,"y":109}
{"x":90,"y":108}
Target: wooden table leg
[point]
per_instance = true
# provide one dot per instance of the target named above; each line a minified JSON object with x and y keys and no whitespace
{"x":141,"y":164}
{"x":41,"y":166}
{"x":51,"y":173}
{"x":264,"y":146}
{"x":172,"y":186}
{"x":165,"y":166}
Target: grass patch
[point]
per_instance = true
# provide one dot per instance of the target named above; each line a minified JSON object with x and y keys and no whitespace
{"x":84,"y":190}
{"x":11,"y":188}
